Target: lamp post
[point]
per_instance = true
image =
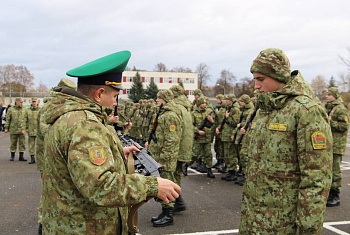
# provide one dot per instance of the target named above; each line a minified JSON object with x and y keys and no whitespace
{"x":222,"y":87}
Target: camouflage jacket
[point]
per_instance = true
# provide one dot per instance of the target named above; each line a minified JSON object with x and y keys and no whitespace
{"x":15,"y":119}
{"x":289,"y":173}
{"x":168,"y":133}
{"x":183,"y":107}
{"x":338,"y":117}
{"x":198,"y":116}
{"x":229,"y":124}
{"x":31,"y":120}
{"x":86,"y":188}
{"x":245,"y":112}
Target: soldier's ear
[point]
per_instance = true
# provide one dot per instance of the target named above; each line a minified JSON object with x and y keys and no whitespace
{"x":97,"y":96}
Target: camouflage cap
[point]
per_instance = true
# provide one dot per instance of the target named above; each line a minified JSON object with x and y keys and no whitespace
{"x":197,"y":92}
{"x":177,"y":90}
{"x":201,"y":100}
{"x":274,"y":63}
{"x":19,"y":99}
{"x":166,"y":95}
{"x":34,"y":99}
{"x":65,"y":82}
{"x":333,"y":91}
{"x":244,"y":98}
{"x":231,"y":97}
{"x":219,"y":96}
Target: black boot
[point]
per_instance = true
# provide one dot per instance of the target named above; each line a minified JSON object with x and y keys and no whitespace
{"x":166,"y":220}
{"x":217,"y":164}
{"x":242,"y":181}
{"x":230,"y":176}
{"x":154,"y":218}
{"x":184,"y":169}
{"x":333,"y":199}
{"x":179,"y":205}
{"x":222,"y":168}
{"x":32,"y":159}
{"x":195,"y":165}
{"x":40,"y":229}
{"x":201,"y":167}
{"x":21,"y":158}
{"x":12,"y":156}
{"x":210,"y":173}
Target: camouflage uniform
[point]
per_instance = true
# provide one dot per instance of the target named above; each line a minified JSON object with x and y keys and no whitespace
{"x":31,"y":124}
{"x":15,"y":125}
{"x":290,"y":157}
{"x":218,"y":146}
{"x":85,"y":185}
{"x":339,"y":121}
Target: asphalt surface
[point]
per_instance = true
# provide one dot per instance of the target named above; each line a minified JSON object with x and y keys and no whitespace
{"x":213,"y":204}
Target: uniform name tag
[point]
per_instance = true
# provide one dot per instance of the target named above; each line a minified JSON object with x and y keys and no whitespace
{"x":278,"y":127}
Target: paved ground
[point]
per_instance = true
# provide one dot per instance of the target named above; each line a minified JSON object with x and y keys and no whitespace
{"x":213,"y":205}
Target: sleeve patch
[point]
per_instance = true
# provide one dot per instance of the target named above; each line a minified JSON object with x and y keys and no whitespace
{"x":172,"y":128}
{"x":318,"y":140}
{"x":97,"y":155}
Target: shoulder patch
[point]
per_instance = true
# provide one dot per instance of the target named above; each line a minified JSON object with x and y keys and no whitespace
{"x":318,"y":140}
{"x":97,"y":155}
{"x":172,"y":128}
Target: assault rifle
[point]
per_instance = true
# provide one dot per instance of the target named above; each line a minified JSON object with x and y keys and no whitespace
{"x":143,"y":162}
{"x":152,"y":135}
{"x":237,"y":129}
{"x":249,"y":121}
{"x":116,"y":127}
{"x":204,"y":123}
{"x":224,"y":120}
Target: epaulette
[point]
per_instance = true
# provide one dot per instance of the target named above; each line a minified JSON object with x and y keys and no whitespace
{"x":306,"y":101}
{"x":90,"y":116}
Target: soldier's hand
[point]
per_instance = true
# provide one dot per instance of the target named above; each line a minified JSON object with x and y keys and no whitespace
{"x":217,"y":131}
{"x":24,"y":132}
{"x":227,"y":114}
{"x":114,"y":119}
{"x":167,"y":190}
{"x":128,"y":125}
{"x":127,"y":150}
{"x":232,"y":137}
{"x":201,"y":132}
{"x":6,"y":130}
{"x":242,"y":131}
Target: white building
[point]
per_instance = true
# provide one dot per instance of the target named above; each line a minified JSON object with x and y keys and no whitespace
{"x":163,"y":80}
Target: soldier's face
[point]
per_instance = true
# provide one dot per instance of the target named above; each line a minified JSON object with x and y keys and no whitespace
{"x":160,"y":101}
{"x":330,"y":98}
{"x":19,"y":104}
{"x":264,"y":83}
{"x":34,"y":103}
{"x":107,"y":97}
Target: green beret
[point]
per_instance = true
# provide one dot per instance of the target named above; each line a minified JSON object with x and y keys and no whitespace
{"x":333,"y":91}
{"x":19,"y":99}
{"x":106,"y":70}
{"x":274,"y":63}
{"x":166,"y":95}
{"x":231,"y":97}
{"x":177,"y":90}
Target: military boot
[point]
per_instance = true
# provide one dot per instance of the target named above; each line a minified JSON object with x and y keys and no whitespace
{"x":195,"y":165}
{"x":222,"y":168}
{"x":40,"y":229}
{"x":229,"y":176}
{"x":184,"y":169}
{"x":242,"y":181}
{"x":217,"y":164}
{"x":166,"y":220}
{"x":12,"y":156}
{"x":179,"y":205}
{"x":333,"y":199}
{"x":21,"y":158}
{"x":210,"y":173}
{"x":201,"y":167}
{"x":154,"y":218}
{"x":32,"y":159}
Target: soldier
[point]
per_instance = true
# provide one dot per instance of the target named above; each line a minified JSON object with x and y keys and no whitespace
{"x":183,"y":107}
{"x":197,"y":93}
{"x":165,"y":149}
{"x":15,"y":125}
{"x":86,"y":188}
{"x":247,"y":108}
{"x":225,"y":130}
{"x":31,"y":127}
{"x":290,"y":155}
{"x":339,"y":121}
{"x":219,"y":115}
{"x":202,"y":123}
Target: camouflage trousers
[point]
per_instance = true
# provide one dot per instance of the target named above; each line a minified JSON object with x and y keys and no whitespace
{"x":20,"y":139}
{"x":203,"y":151}
{"x":230,"y":155}
{"x":337,"y":176}
{"x":31,"y":144}
{"x":218,"y":148}
{"x":178,"y":173}
{"x":170,"y":176}
{"x":40,"y":154}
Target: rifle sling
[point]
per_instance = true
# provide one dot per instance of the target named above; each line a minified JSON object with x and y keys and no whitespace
{"x":133,"y":210}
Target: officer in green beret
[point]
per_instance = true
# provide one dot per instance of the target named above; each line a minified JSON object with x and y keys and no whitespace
{"x":338,"y":117}
{"x":288,"y":176}
{"x":15,"y":125}
{"x":86,"y":186}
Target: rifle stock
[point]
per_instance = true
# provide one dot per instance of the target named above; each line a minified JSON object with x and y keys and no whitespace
{"x":250,"y":120}
{"x":152,"y":135}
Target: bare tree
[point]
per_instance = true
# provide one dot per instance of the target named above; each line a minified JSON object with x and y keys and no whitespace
{"x":346,"y":61}
{"x":318,"y":84}
{"x":344,"y":81}
{"x":42,"y":87}
{"x":226,"y":79}
{"x":15,"y":78}
{"x":181,"y":70}
{"x":203,"y":75}
{"x":160,"y":67}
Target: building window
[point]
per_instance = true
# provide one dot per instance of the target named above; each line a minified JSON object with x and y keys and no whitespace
{"x":147,"y":79}
{"x":127,"y":91}
{"x":129,"y":79}
{"x":156,"y":80}
{"x":191,"y":92}
{"x":191,"y":80}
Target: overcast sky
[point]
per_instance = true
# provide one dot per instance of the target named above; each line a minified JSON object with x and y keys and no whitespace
{"x":52,"y":37}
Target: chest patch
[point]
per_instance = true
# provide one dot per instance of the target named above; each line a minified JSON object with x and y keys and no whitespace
{"x":318,"y":140}
{"x":172,"y":128}
{"x":278,"y":127}
{"x":97,"y":155}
